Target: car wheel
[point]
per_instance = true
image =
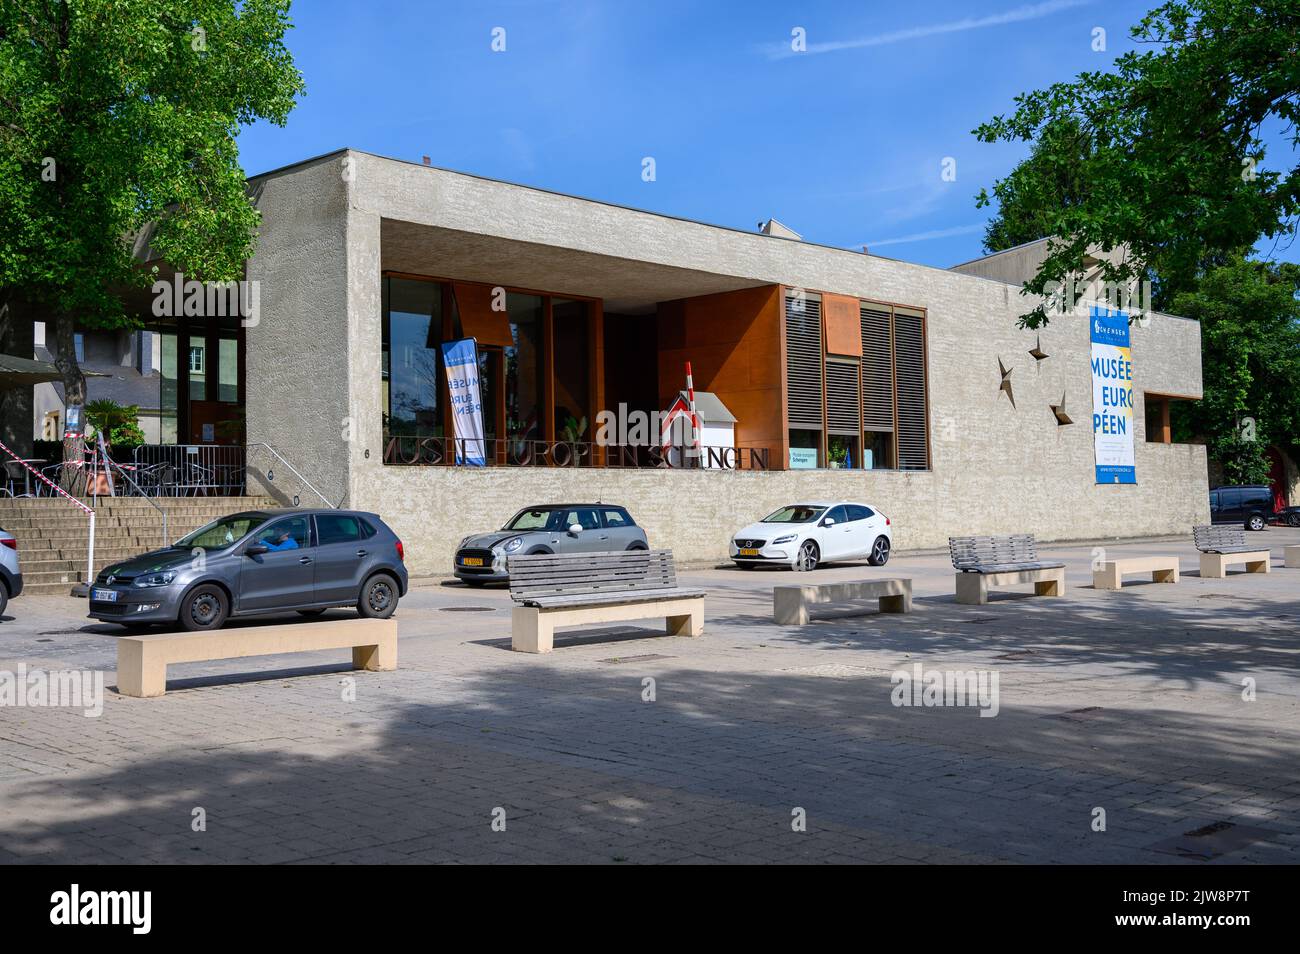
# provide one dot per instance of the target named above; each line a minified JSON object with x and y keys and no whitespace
{"x":807,"y":557}
{"x":378,"y":597}
{"x":637,"y":546}
{"x":205,"y":607}
{"x":310,"y":613}
{"x":879,"y":552}
{"x":4,"y":598}
{"x":1294,"y":520}
{"x":1255,"y":522}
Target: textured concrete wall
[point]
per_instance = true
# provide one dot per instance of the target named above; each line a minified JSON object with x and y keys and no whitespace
{"x":298,"y":367}
{"x":995,"y":468}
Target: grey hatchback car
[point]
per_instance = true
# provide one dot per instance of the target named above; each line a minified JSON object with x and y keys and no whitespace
{"x":258,"y":561}
{"x":548,"y":528}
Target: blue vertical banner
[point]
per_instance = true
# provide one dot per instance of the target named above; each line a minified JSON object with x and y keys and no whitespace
{"x":1112,"y":397}
{"x":461,"y":361}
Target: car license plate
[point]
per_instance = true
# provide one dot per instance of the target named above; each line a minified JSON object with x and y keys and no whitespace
{"x":471,"y":561}
{"x":749,"y":551}
{"x":104,"y":596}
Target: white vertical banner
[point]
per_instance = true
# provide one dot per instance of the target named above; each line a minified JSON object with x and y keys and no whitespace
{"x":461,"y":361}
{"x":1112,"y":397}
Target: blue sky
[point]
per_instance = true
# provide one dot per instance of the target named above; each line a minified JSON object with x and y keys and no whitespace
{"x":844,"y":143}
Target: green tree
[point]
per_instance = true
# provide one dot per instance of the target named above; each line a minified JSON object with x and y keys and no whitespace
{"x":118,"y":123}
{"x":1250,"y":357}
{"x":1171,"y":148}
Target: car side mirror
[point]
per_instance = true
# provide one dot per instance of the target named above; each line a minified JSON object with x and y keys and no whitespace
{"x":256,"y":550}
{"x":575,"y":528}
{"x":828,"y":522}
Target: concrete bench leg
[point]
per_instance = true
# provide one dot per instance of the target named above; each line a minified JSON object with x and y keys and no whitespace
{"x":972,"y":589}
{"x":1053,"y":587}
{"x":689,"y":624}
{"x":1259,"y":566}
{"x":901,"y":603}
{"x":1291,"y":556}
{"x":789,"y":607}
{"x":1213,"y":566}
{"x":530,"y":631}
{"x":1107,"y":578}
{"x":1165,"y":576}
{"x":140,"y":673}
{"x":378,"y":658}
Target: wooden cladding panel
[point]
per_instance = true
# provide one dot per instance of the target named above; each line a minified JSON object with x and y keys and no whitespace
{"x":843,"y":325}
{"x":477,"y":319}
{"x":804,"y":360}
{"x":877,"y":369}
{"x":909,"y":359}
{"x":843,"y":396}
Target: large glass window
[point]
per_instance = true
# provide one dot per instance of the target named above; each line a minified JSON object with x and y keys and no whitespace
{"x":227,"y":370}
{"x":525,"y":367}
{"x":167,"y":392}
{"x":572,"y":371}
{"x":412,"y":333}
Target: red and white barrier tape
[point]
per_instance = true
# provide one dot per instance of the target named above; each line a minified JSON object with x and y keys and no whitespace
{"x":46,"y":480}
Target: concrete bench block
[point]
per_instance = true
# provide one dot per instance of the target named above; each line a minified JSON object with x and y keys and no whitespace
{"x":973,"y":588}
{"x":790,"y":604}
{"x":142,"y":661}
{"x":1214,"y":566}
{"x":1110,"y":575}
{"x":1291,"y":556}
{"x":532,"y":628}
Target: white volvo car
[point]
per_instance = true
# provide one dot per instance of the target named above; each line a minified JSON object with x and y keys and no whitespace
{"x":807,"y":534}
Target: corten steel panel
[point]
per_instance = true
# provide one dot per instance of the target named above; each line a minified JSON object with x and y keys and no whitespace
{"x":732,"y":341}
{"x":478,"y":320}
{"x":843,"y":325}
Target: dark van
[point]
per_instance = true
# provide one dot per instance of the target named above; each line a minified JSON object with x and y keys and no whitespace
{"x":1251,"y":506}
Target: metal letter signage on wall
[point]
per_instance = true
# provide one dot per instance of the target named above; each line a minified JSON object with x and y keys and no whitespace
{"x":1112,"y":397}
{"x":461,"y":360}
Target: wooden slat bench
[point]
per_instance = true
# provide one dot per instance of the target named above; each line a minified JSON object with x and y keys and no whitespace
{"x":572,"y":589}
{"x":142,"y":661}
{"x":790,"y":603}
{"x":1163,"y":569}
{"x":1222,"y":546}
{"x":982,"y":562}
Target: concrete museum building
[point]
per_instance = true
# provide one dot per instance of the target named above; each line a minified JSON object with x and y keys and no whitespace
{"x":837,"y":374}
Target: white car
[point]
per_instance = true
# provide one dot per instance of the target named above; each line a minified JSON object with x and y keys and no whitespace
{"x":806,"y":534}
{"x":11,"y":577}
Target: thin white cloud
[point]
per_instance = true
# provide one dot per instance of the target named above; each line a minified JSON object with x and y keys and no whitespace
{"x":927,"y":236}
{"x":1032,"y":11}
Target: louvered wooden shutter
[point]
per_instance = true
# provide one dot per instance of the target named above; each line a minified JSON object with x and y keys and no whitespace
{"x":909,"y":359}
{"x":843,"y":401}
{"x":877,"y":370}
{"x":804,"y":360}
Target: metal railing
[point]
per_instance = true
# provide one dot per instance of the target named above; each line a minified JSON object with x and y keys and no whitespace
{"x":139,"y":492}
{"x":270,"y":474}
{"x":411,"y":450}
{"x":191,"y":470}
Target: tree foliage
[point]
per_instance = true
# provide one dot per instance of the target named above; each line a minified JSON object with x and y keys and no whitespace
{"x":1169,"y":145}
{"x":1250,"y":353}
{"x":117,"y":117}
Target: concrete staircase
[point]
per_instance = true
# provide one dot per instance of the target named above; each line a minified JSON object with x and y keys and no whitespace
{"x":53,"y":534}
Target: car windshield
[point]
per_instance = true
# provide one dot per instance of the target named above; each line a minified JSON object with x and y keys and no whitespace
{"x":799,"y":513}
{"x":535,"y":519}
{"x":221,"y":533}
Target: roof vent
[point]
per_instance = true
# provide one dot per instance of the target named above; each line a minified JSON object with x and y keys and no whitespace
{"x":773,"y":227}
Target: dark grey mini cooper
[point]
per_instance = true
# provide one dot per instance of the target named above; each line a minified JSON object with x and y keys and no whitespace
{"x":548,"y":528}
{"x":259,"y":561}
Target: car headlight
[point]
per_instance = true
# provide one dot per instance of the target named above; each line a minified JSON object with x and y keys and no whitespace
{"x":463,"y":541}
{"x":513,"y":544}
{"x":785,"y":539}
{"x":156,"y":579}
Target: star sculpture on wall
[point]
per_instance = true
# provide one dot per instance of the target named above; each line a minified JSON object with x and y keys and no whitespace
{"x":1059,"y":411}
{"x":1037,"y":351}
{"x":1006,"y":381}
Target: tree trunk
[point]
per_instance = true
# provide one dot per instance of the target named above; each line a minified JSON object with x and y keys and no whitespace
{"x":74,"y":382}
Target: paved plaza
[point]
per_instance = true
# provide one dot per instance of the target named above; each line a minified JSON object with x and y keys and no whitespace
{"x":624,"y":746}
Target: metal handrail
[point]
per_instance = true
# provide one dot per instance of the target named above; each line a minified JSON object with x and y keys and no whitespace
{"x":139,"y":490}
{"x":276,"y":454}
